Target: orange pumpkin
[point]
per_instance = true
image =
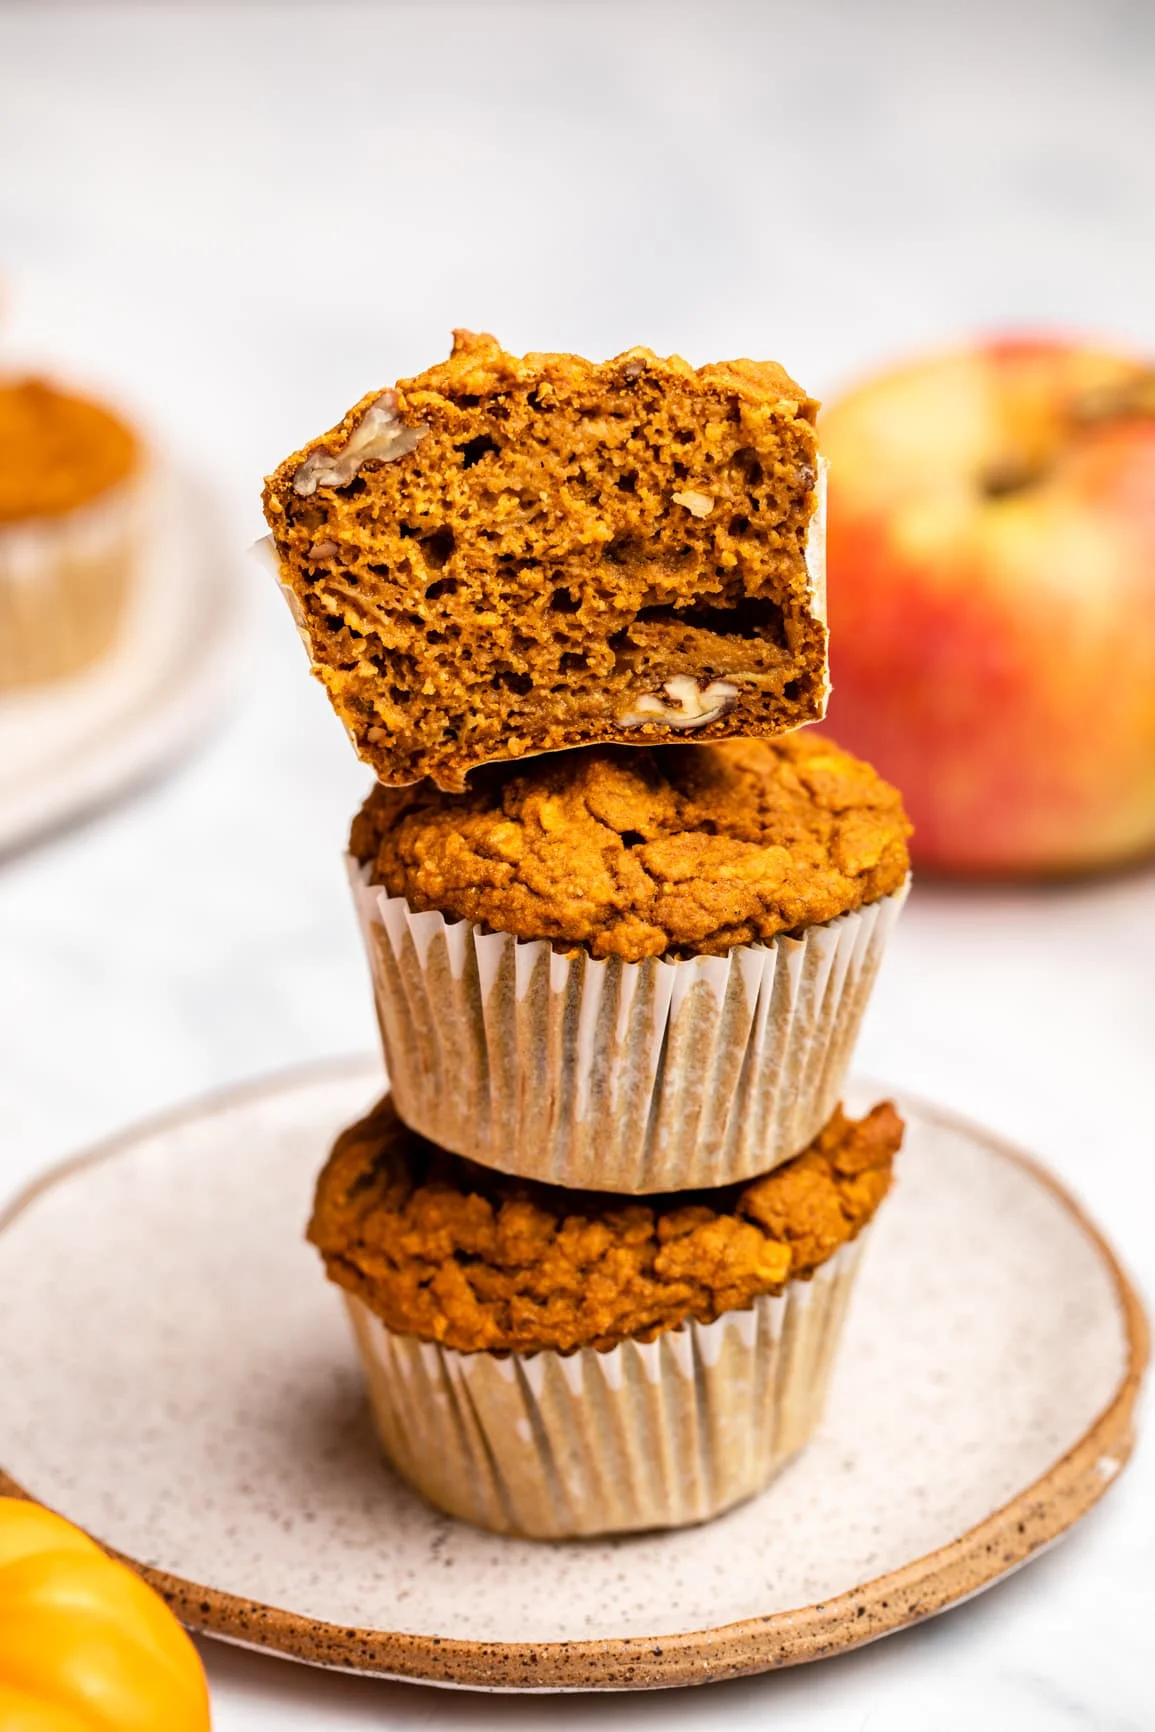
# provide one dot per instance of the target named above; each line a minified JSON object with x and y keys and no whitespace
{"x":85,"y":1645}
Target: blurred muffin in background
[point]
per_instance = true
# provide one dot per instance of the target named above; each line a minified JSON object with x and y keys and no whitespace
{"x":72,"y":480}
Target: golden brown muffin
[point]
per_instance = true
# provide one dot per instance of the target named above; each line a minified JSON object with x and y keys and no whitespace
{"x":57,"y":451}
{"x":504,"y":556}
{"x":448,"y":1251}
{"x":679,"y":849}
{"x":71,"y":485}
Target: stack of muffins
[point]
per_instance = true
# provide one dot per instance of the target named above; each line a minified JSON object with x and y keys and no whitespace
{"x":597,"y":1244}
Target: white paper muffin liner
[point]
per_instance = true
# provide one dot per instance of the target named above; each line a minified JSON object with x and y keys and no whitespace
{"x":644,"y":1435}
{"x":618,"y":1076}
{"x":65,"y":582}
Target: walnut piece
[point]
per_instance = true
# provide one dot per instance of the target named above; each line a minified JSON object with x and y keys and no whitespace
{"x":380,"y":436}
{"x":691,"y":706}
{"x":697,"y":504}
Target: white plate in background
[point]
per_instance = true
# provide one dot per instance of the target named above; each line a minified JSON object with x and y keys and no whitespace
{"x":178,"y":1378}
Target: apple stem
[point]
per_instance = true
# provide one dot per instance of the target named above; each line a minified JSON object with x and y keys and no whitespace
{"x":1133,"y":398}
{"x":1116,"y":402}
{"x":1011,"y":477}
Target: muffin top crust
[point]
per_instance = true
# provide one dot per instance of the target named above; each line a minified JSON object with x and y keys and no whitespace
{"x":57,"y":451}
{"x":633,"y":853}
{"x":448,"y":1251}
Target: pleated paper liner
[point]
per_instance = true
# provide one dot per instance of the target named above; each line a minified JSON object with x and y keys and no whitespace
{"x":643,"y":1435}
{"x":620,"y":1076}
{"x":65,"y":583}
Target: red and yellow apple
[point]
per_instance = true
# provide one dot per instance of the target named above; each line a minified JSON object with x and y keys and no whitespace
{"x":991,"y":559}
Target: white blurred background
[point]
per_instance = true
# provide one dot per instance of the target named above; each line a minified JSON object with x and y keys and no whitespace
{"x":236,"y":220}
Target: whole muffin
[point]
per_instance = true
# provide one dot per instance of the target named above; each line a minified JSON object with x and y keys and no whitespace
{"x":552,"y":1363}
{"x":71,"y":477}
{"x":637,"y":970}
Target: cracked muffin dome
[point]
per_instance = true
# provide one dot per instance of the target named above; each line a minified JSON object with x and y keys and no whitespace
{"x":674,"y":850}
{"x":508,"y":555}
{"x":451,"y":1252}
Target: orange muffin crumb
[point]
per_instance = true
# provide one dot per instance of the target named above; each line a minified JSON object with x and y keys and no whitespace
{"x":679,"y":849}
{"x":507,"y":555}
{"x":57,"y":451}
{"x":448,"y":1251}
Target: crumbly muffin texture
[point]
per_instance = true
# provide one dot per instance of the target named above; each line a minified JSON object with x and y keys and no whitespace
{"x":451,"y":1252}
{"x":57,"y":451}
{"x":512,"y":555}
{"x":674,"y":850}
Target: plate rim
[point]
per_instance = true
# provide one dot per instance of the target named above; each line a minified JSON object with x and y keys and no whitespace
{"x":1035,"y":1517}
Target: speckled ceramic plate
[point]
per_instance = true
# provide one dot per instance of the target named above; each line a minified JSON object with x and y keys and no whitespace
{"x":69,"y":746}
{"x":177,"y":1378}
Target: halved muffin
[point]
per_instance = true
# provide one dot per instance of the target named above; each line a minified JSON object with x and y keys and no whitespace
{"x":513,"y":555}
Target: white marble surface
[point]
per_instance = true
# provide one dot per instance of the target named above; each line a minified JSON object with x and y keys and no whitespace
{"x":241,"y":218}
